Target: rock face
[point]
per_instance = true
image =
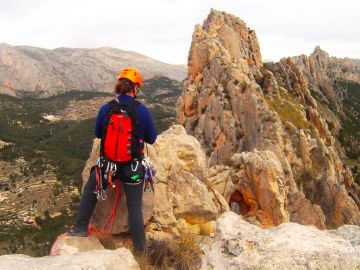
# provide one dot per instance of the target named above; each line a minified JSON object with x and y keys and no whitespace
{"x":181,"y":193}
{"x":269,"y":147}
{"x":318,"y":73}
{"x":335,"y":85}
{"x":47,"y":72}
{"x":119,"y":259}
{"x":241,"y":245}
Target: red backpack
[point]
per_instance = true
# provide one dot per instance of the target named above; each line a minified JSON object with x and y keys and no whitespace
{"x":121,"y":141}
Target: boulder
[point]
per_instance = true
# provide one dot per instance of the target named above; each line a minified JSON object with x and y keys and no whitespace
{"x":66,"y":245}
{"x":263,"y":185}
{"x":241,"y":245}
{"x":181,"y":192}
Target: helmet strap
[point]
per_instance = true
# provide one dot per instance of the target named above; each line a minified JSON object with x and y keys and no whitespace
{"x":134,"y":92}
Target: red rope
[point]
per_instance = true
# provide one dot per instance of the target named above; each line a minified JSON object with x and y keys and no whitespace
{"x":92,"y":230}
{"x":111,"y":218}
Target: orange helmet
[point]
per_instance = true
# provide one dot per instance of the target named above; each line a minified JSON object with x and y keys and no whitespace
{"x":131,"y":74}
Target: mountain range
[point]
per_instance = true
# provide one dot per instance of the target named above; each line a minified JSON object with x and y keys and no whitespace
{"x":41,"y":72}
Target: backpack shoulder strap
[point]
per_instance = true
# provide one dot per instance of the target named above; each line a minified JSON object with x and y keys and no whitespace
{"x":136,"y":150}
{"x":135,"y":102}
{"x":113,"y":102}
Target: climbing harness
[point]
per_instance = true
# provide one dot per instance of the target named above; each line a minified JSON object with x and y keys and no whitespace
{"x":107,"y":169}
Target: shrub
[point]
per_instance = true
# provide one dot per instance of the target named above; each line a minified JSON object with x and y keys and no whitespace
{"x":182,"y":253}
{"x":287,"y":111}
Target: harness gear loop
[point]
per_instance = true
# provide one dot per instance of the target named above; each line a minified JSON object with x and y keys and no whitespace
{"x":137,"y":165}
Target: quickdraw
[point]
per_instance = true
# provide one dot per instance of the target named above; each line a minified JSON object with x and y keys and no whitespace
{"x":110,"y":171}
{"x":150,"y":172}
{"x":100,"y":192}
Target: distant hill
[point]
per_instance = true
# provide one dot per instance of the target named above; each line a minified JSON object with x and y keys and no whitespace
{"x":42,"y":72}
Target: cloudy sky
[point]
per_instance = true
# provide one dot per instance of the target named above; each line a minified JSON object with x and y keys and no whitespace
{"x":162,"y":29}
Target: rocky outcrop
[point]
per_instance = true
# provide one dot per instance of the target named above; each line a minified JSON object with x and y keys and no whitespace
{"x":119,"y":259}
{"x":181,"y":193}
{"x":43,"y":72}
{"x":317,"y":73}
{"x":241,"y":245}
{"x":335,"y":85}
{"x":262,"y":170}
{"x":264,"y":128}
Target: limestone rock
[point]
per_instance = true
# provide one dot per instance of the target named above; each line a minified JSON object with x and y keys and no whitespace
{"x":303,"y":212}
{"x":320,"y":72}
{"x":119,"y":259}
{"x":263,"y":185}
{"x":67,"y":245}
{"x":240,"y":245}
{"x":181,"y":192}
{"x":237,"y":106}
{"x":94,"y":155}
{"x":182,"y":176}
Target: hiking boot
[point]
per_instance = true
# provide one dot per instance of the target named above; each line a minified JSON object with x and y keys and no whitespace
{"x":74,"y":231}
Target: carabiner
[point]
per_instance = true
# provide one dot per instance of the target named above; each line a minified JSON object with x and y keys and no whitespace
{"x":137,"y":165}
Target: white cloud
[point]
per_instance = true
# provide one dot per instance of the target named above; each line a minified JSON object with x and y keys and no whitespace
{"x":162,"y":29}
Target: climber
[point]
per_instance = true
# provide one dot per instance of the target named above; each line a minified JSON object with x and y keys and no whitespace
{"x":122,"y":153}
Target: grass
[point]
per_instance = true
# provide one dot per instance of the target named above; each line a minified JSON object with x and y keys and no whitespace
{"x":206,"y":229}
{"x":181,"y":253}
{"x":349,"y":135}
{"x":288,"y":111}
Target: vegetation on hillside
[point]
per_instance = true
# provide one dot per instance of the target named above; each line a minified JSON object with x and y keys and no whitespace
{"x":65,"y":145}
{"x":349,"y":135}
{"x":161,"y":94}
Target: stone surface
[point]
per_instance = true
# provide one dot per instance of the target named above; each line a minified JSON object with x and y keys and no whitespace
{"x":119,"y":259}
{"x":317,"y":72}
{"x":66,"y":245}
{"x":183,"y":162}
{"x":241,"y":245}
{"x":181,"y":191}
{"x":263,"y":186}
{"x":234,"y":104}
